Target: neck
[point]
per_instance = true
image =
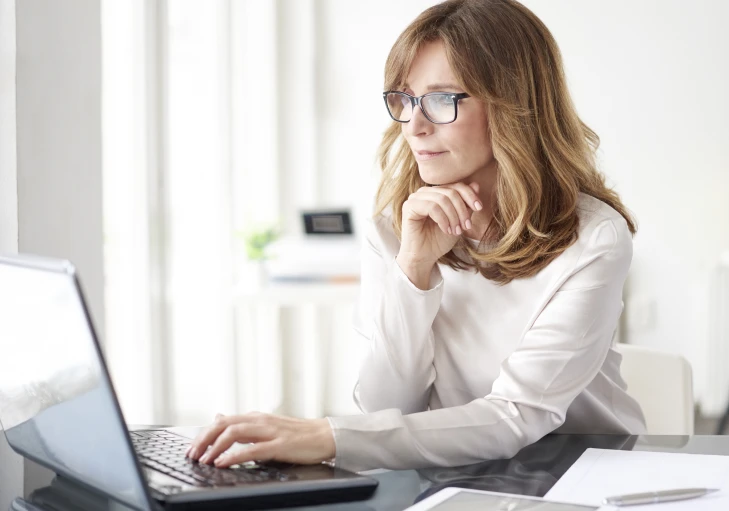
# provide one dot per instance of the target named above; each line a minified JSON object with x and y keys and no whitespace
{"x":486,"y":179}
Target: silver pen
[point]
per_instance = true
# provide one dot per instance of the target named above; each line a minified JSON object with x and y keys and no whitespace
{"x":656,"y":497}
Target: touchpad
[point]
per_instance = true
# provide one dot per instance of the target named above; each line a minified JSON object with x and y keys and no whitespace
{"x":164,"y":483}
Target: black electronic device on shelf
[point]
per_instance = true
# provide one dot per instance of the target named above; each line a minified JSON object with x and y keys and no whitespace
{"x":327,"y":222}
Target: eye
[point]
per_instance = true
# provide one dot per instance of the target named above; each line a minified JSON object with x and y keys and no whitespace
{"x":441,"y":99}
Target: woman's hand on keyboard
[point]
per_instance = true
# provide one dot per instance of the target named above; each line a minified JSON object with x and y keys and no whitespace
{"x":273,"y":437}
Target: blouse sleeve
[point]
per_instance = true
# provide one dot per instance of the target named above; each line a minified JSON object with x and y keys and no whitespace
{"x":556,"y":359}
{"x":395,"y":318}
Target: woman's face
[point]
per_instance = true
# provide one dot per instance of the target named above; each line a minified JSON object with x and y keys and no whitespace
{"x":446,"y":153}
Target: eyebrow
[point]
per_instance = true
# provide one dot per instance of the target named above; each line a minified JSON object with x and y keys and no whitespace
{"x":439,"y":87}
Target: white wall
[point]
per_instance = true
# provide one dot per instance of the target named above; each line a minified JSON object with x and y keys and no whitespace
{"x":50,"y":107}
{"x":59,"y":137}
{"x":650,"y":77}
{"x":8,"y":181}
{"x":11,"y":466}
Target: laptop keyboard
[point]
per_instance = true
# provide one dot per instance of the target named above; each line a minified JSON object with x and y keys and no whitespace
{"x":165,"y":452}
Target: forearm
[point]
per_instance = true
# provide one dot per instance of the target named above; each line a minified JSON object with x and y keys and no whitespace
{"x":389,"y":380}
{"x":481,"y":430}
{"x":397,"y":371}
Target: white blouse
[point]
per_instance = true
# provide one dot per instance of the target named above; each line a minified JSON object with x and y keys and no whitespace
{"x":470,"y":370}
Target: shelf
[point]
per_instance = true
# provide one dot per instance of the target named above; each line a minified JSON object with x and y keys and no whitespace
{"x":291,"y":294}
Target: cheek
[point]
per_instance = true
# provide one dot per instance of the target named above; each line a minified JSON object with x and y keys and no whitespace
{"x":472,"y":144}
{"x":404,"y":133}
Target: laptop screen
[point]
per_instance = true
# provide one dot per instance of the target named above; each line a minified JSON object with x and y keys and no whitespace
{"x":56,"y":403}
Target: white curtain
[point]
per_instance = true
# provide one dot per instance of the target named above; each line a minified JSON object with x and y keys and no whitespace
{"x":215,"y":122}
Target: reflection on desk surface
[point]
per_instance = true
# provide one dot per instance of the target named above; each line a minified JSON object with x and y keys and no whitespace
{"x":533,"y":471}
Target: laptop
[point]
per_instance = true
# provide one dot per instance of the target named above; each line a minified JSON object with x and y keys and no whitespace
{"x":58,"y":408}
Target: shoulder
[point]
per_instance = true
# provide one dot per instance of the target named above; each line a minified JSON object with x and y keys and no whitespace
{"x":600,"y":226}
{"x":604,"y":246}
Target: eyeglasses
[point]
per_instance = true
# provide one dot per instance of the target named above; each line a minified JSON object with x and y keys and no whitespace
{"x":438,"y":107}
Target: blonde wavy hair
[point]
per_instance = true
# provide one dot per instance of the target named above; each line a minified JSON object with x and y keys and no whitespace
{"x":503,"y":55}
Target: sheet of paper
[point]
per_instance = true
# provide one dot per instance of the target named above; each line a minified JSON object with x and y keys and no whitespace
{"x":600,"y":473}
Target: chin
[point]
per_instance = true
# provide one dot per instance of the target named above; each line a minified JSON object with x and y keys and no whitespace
{"x":436,"y":177}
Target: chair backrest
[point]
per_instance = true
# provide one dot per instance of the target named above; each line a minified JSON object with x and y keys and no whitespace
{"x":661,"y":383}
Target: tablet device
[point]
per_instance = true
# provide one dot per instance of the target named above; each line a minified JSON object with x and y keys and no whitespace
{"x":459,"y":499}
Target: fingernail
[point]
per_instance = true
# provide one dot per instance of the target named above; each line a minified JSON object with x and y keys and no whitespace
{"x":205,"y":459}
{"x":458,"y":229}
{"x":221,"y":461}
{"x":468,"y":224}
{"x":478,"y":206}
{"x":449,"y":231}
{"x":193,"y":454}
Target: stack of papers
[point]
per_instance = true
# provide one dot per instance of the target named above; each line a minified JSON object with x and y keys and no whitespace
{"x":601,"y":473}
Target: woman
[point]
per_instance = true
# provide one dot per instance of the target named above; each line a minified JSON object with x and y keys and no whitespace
{"x":493,"y":270}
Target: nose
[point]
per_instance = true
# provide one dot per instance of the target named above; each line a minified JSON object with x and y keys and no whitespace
{"x":419,"y":125}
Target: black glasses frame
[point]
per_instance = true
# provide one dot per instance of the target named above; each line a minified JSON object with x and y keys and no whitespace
{"x":416,"y":101}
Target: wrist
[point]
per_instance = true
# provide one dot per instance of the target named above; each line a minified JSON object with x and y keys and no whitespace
{"x":413,"y":262}
{"x":327,"y":438}
{"x":417,"y":271}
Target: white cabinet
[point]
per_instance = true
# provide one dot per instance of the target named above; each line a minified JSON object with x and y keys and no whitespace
{"x":297,"y":353}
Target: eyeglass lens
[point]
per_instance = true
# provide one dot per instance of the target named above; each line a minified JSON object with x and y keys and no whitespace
{"x":439,"y":107}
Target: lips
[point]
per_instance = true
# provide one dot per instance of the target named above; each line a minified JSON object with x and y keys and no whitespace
{"x":428,"y":155}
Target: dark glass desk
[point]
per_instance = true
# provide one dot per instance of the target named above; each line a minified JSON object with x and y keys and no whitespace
{"x":533,"y":471}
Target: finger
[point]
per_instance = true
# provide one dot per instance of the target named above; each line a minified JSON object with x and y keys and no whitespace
{"x":478,"y":206}
{"x":427,"y":208}
{"x":459,"y":203}
{"x":198,"y":436}
{"x":242,"y":432}
{"x":418,"y":209}
{"x":209,"y":434}
{"x":450,"y":201}
{"x":261,"y":451}
{"x":469,"y":194}
{"x":428,"y":196}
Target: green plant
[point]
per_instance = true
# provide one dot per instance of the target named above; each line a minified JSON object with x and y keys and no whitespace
{"x":255,"y":241}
